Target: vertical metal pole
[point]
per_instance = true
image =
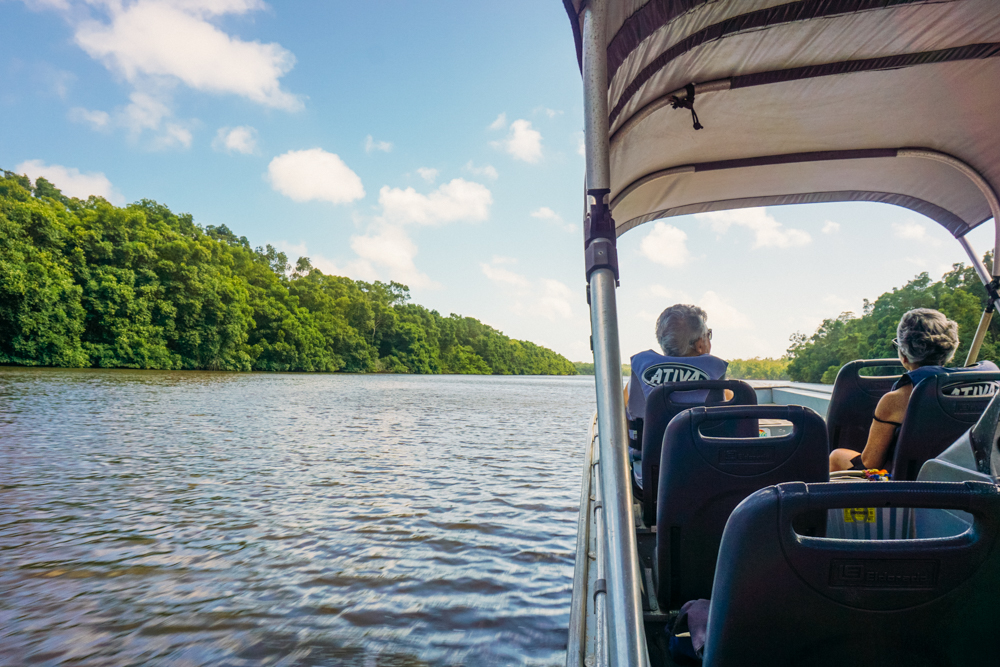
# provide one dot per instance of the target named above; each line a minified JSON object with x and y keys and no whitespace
{"x":600,"y":599}
{"x":984,"y":321}
{"x":977,"y":263}
{"x":977,"y":341}
{"x":576,"y":644}
{"x":626,"y":634}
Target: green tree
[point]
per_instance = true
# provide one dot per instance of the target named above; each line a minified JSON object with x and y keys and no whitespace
{"x":85,"y":283}
{"x":959,"y":295}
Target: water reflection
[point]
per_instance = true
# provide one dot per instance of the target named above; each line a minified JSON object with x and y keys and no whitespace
{"x":226,"y":519}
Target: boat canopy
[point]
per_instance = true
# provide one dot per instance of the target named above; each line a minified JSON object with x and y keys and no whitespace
{"x":892,"y":101}
{"x":693,"y":106}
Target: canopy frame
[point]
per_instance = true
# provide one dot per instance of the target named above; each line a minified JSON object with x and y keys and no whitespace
{"x":938,"y":214}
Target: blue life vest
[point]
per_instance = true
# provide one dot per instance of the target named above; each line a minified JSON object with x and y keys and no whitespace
{"x":923,"y":372}
{"x":651,"y":369}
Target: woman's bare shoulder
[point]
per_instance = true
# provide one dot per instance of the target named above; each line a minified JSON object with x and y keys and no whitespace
{"x":892,"y":406}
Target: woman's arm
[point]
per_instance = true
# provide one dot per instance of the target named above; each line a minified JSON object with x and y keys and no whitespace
{"x":891,"y":408}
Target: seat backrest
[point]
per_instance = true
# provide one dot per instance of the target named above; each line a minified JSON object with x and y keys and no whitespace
{"x":703,"y":478}
{"x":781,"y":598}
{"x":853,"y":402}
{"x":661,"y":407}
{"x":941,"y":408}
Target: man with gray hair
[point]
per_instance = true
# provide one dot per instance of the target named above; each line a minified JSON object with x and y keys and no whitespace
{"x":686,"y":342}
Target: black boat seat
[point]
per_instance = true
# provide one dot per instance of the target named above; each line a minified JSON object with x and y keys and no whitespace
{"x":783,"y":599}
{"x":661,"y":408}
{"x":853,"y":402}
{"x":703,"y":478}
{"x":941,"y":408}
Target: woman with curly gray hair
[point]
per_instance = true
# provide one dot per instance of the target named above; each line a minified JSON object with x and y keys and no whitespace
{"x":926,"y":340}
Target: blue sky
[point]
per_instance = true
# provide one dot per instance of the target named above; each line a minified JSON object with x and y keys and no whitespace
{"x":434,"y":143}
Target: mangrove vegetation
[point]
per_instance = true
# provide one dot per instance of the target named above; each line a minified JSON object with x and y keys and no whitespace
{"x":959,"y":295}
{"x":89,"y":284}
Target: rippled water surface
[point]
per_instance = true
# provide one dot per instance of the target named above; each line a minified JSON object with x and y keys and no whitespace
{"x":153,"y":518}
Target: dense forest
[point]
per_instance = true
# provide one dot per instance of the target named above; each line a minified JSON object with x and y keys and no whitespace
{"x":88,"y":284}
{"x":758,"y":368}
{"x":959,"y":295}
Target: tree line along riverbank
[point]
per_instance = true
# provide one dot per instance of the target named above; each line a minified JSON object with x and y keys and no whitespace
{"x":958,"y":294}
{"x":88,"y":284}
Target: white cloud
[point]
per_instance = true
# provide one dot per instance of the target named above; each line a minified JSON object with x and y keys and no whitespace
{"x":145,"y":112}
{"x":173,"y":39}
{"x":547,"y":214}
{"x":580,"y":350}
{"x":428,"y":174}
{"x":385,"y":251}
{"x":500,"y":123}
{"x":555,"y":302}
{"x":522,"y":142}
{"x":666,"y":294}
{"x":722,"y":315}
{"x":551,"y":113}
{"x":314,"y":174}
{"x":548,"y":298}
{"x":768,"y":232}
{"x":57,"y":80}
{"x":372,"y":145}
{"x":911,"y":230}
{"x":581,"y":145}
{"x":71,"y":181}
{"x":174,"y":135}
{"x":39,"y":5}
{"x":831,"y":227}
{"x":835,"y":303}
{"x":501,"y":275}
{"x":156,"y":45}
{"x":486,"y":170}
{"x":97,"y":120}
{"x":241,"y":139}
{"x":666,"y":245}
{"x":451,"y":202}
{"x":390,"y":248}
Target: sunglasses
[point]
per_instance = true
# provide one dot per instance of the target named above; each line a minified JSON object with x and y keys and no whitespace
{"x":895,"y":343}
{"x":707,"y":336}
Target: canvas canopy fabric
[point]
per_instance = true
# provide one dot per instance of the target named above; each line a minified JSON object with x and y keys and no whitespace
{"x":808,"y":101}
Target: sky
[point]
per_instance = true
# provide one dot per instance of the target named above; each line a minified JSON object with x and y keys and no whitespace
{"x":438,"y":144}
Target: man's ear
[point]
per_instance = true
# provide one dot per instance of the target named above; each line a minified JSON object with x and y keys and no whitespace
{"x":701,"y":346}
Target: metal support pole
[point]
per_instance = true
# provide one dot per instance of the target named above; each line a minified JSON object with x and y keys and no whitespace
{"x":977,"y":263}
{"x":977,"y":341}
{"x":600,"y":597}
{"x":626,"y":633}
{"x":984,"y":321}
{"x":576,"y":644}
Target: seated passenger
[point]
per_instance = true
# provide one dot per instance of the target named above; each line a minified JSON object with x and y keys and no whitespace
{"x":686,"y":342}
{"x":926,"y":340}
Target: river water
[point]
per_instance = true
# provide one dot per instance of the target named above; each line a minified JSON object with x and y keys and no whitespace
{"x":158,"y":518}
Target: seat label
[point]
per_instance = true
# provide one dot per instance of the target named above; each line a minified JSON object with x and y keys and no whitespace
{"x":894,"y":573}
{"x":859,"y":515}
